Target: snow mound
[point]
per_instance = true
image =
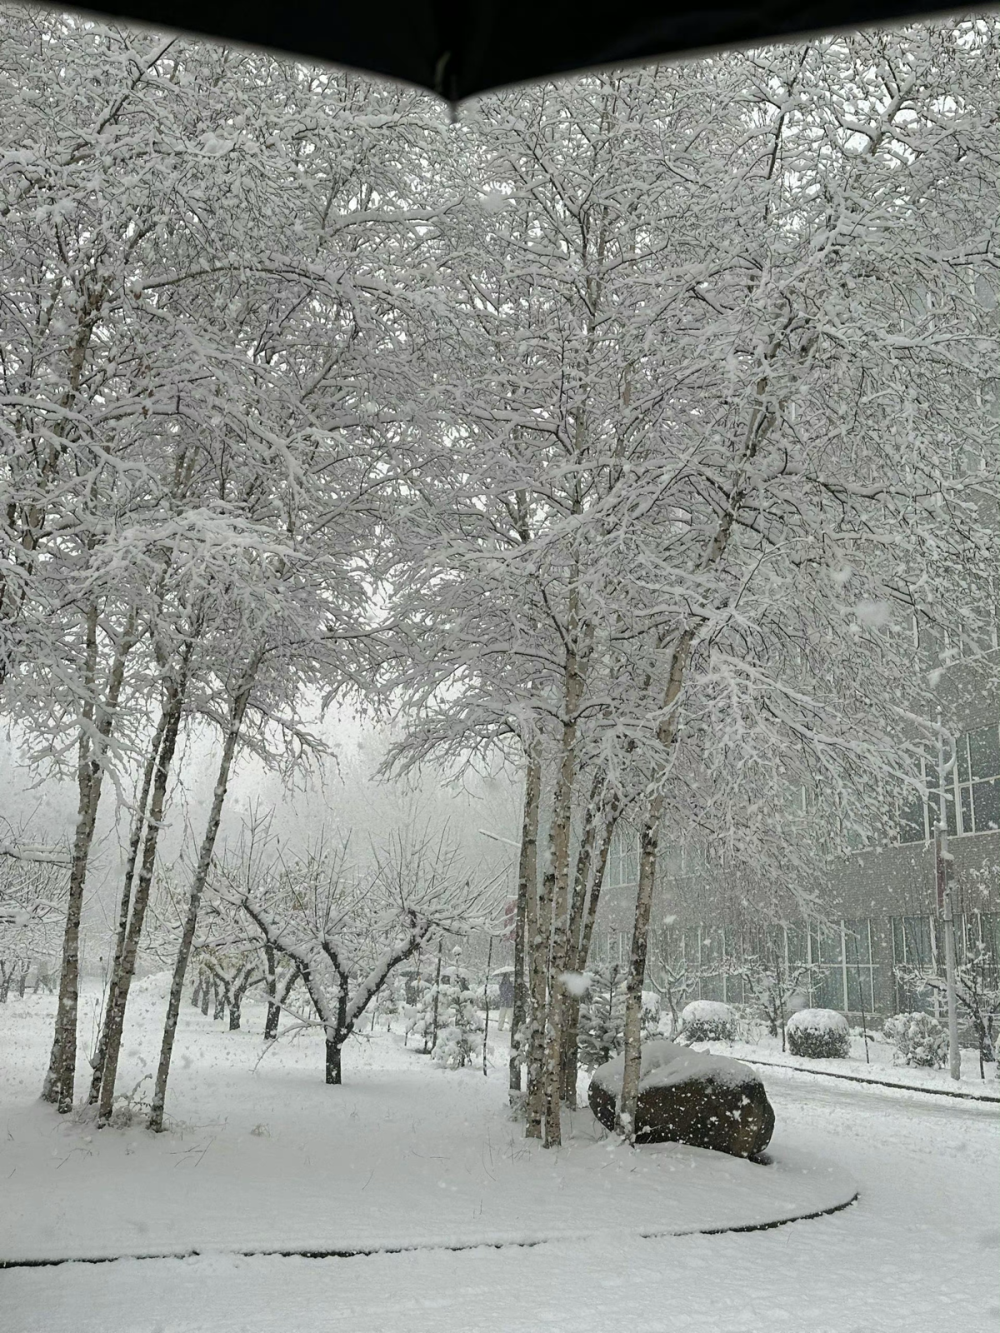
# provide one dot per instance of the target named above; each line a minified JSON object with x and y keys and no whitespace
{"x":820,"y":1034}
{"x":708,"y":1020}
{"x":666,"y":1064}
{"x":817,"y":1020}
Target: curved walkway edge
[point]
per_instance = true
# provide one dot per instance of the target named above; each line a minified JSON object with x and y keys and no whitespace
{"x":368,"y":1251}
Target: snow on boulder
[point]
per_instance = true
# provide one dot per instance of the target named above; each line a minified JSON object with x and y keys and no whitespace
{"x":685,"y":1096}
{"x":820,"y":1034}
{"x":708,"y":1020}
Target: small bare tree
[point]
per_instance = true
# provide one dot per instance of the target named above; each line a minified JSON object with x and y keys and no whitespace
{"x":772,"y":984}
{"x":977,"y":991}
{"x":345,"y":924}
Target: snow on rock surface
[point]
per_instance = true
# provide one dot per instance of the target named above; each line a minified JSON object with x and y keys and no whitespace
{"x":665,"y":1063}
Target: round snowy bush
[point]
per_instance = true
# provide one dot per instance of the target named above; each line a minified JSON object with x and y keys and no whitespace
{"x":919,"y":1038}
{"x":820,"y":1034}
{"x":708,"y":1020}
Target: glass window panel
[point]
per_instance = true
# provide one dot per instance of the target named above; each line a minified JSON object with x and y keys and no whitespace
{"x":858,"y":946}
{"x":859,"y":989}
{"x":911,"y":822}
{"x":711,"y":988}
{"x":986,"y":803}
{"x":828,"y":989}
{"x":917,"y":938}
{"x":899,"y":948}
{"x":951,"y":810}
{"x":962,"y":748}
{"x":711,"y":947}
{"x":828,"y":942}
{"x":796,"y":945}
{"x":984,"y":752}
{"x":965,"y":799}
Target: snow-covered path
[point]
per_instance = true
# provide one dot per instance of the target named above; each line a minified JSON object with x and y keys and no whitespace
{"x":917,"y":1254}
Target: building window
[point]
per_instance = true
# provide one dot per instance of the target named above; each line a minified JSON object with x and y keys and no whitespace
{"x":978,"y":774}
{"x":971,"y":793}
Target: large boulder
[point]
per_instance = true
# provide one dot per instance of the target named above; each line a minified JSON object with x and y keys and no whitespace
{"x":685,"y":1096}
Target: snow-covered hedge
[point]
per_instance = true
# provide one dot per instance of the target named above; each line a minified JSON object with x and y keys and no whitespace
{"x":919,"y":1038}
{"x":708,"y":1020}
{"x":820,"y":1034}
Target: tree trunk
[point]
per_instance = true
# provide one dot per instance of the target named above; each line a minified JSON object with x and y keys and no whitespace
{"x":218,"y":991}
{"x":333,"y":1047}
{"x":558,"y":874}
{"x":240,"y":987}
{"x":527,"y":889}
{"x":60,"y":1078}
{"x":486,"y":1001}
{"x":637,"y":970}
{"x":206,"y":995}
{"x":576,"y":959}
{"x":271,"y":986}
{"x":237,"y":713}
{"x":125,"y":902}
{"x":649,"y":844}
{"x":570,"y":1067}
{"x":437,"y":1000}
{"x":538,"y":926}
{"x":116,"y":1009}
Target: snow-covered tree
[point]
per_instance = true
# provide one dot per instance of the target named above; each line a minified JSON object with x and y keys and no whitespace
{"x":713,"y":477}
{"x":459,"y":1024}
{"x":346,"y":923}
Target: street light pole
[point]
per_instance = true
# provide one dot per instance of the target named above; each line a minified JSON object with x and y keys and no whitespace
{"x":942,"y":876}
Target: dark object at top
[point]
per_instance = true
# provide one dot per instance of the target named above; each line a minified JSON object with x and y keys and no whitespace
{"x":457,"y":49}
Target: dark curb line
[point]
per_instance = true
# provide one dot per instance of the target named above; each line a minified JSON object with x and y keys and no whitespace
{"x":417,"y":1249}
{"x":874,"y":1082}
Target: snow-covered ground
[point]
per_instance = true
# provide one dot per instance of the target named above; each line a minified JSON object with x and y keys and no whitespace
{"x":883,"y":1064}
{"x":264,"y":1156}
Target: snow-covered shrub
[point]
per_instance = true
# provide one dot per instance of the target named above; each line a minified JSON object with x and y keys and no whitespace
{"x":919,"y":1039}
{"x":459,"y":1021}
{"x":650,"y":1018}
{"x":601,"y":1031}
{"x":820,"y":1034}
{"x":418,"y":1012}
{"x":708,"y":1020}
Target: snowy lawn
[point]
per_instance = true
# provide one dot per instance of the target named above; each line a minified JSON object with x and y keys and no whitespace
{"x":265,"y":1156}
